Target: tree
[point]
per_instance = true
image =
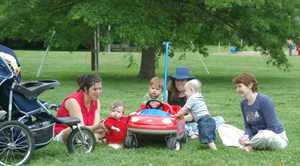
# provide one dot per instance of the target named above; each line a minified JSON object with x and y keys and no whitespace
{"x":264,"y":24}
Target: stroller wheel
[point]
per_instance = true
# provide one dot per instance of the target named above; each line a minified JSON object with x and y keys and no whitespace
{"x":173,"y":143}
{"x":131,"y":141}
{"x":81,"y":140}
{"x":16,"y":143}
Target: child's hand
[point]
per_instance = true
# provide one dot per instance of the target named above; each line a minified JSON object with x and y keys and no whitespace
{"x":132,"y":113}
{"x":115,"y":129}
{"x":188,"y":118}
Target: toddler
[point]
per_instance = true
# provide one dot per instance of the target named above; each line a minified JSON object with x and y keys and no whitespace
{"x":196,"y":106}
{"x":155,"y":90}
{"x":116,"y":124}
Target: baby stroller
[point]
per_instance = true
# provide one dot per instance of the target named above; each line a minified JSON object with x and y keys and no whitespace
{"x":26,"y":123}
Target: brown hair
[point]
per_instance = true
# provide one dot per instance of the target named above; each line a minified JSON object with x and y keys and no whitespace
{"x":173,"y":93}
{"x":87,"y":80}
{"x":246,"y":79}
{"x":118,"y":104}
{"x":156,"y":82}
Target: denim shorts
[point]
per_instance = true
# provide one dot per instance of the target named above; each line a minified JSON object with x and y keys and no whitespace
{"x":207,"y":129}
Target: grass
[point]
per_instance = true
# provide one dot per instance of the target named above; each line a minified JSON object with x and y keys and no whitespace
{"x":120,"y":82}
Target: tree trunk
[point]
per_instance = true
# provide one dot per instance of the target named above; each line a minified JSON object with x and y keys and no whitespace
{"x":94,"y":55}
{"x":94,"y":62}
{"x":147,"y":68}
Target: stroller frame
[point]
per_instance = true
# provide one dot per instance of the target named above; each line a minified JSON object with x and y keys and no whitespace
{"x":22,"y":132}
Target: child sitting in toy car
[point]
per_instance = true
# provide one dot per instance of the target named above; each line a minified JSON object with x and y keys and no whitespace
{"x":155,"y":90}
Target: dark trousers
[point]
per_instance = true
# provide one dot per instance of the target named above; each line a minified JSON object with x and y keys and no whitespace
{"x":207,"y":129}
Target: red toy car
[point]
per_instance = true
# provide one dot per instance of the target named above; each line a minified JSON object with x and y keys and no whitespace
{"x":155,"y":120}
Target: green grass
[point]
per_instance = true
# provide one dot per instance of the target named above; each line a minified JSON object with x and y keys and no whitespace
{"x":120,"y":82}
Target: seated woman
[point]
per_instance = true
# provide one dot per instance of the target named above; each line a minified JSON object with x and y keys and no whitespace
{"x":83,"y":104}
{"x":176,"y":96}
{"x":263,"y":130}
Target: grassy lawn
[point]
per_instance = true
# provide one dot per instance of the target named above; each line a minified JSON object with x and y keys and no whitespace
{"x":120,"y":82}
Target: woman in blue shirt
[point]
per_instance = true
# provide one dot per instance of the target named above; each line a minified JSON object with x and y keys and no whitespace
{"x":263,"y":130}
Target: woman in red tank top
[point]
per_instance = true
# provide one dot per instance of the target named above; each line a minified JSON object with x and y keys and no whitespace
{"x":83,"y":104}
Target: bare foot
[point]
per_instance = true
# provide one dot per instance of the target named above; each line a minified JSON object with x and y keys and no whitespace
{"x":212,"y":146}
{"x":247,"y":149}
{"x":101,"y":140}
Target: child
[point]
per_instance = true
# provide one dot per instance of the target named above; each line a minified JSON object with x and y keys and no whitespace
{"x":196,"y":106}
{"x":116,"y":124}
{"x":155,"y":90}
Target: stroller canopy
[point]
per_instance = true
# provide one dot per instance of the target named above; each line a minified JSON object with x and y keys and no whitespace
{"x":9,"y":64}
{"x":5,"y":71}
{"x":9,"y":51}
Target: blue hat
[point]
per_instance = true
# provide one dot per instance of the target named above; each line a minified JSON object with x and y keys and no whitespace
{"x":182,"y":73}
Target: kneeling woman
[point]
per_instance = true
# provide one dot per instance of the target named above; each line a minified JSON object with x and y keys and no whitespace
{"x":263,"y":130}
{"x":83,"y":104}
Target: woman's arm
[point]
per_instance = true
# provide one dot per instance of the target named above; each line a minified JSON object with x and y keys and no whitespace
{"x":74,"y":109}
{"x":97,"y":116}
{"x":97,"y":113}
{"x":248,"y":132}
{"x":269,"y":114}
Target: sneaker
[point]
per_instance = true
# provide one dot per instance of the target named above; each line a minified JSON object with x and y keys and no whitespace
{"x":212,"y":146}
{"x":115,"y":146}
{"x":177,"y":146}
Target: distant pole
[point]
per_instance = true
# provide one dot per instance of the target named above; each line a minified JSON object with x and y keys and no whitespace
{"x":203,"y":63}
{"x":167,"y":44}
{"x":95,"y":57}
{"x":219,"y":46}
{"x":109,"y":45}
{"x":45,"y":55}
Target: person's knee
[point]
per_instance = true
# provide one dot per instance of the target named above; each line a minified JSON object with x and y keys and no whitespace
{"x":265,"y":135}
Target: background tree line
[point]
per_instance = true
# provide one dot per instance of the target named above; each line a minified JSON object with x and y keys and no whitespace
{"x":188,"y":24}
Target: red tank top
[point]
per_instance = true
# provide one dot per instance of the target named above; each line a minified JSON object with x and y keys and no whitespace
{"x":88,"y":115}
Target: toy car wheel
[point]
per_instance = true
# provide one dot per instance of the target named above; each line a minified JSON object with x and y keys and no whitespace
{"x":131,"y":141}
{"x":16,"y":143}
{"x":173,"y":143}
{"x":81,"y":140}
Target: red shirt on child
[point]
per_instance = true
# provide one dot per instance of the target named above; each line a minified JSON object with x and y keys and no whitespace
{"x":114,"y":137}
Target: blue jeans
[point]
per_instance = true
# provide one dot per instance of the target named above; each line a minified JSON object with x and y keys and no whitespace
{"x":207,"y":129}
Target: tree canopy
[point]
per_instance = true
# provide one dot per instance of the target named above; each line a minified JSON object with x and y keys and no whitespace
{"x":264,"y":24}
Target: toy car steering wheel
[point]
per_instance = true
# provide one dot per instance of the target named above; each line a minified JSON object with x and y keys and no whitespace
{"x":148,"y":104}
